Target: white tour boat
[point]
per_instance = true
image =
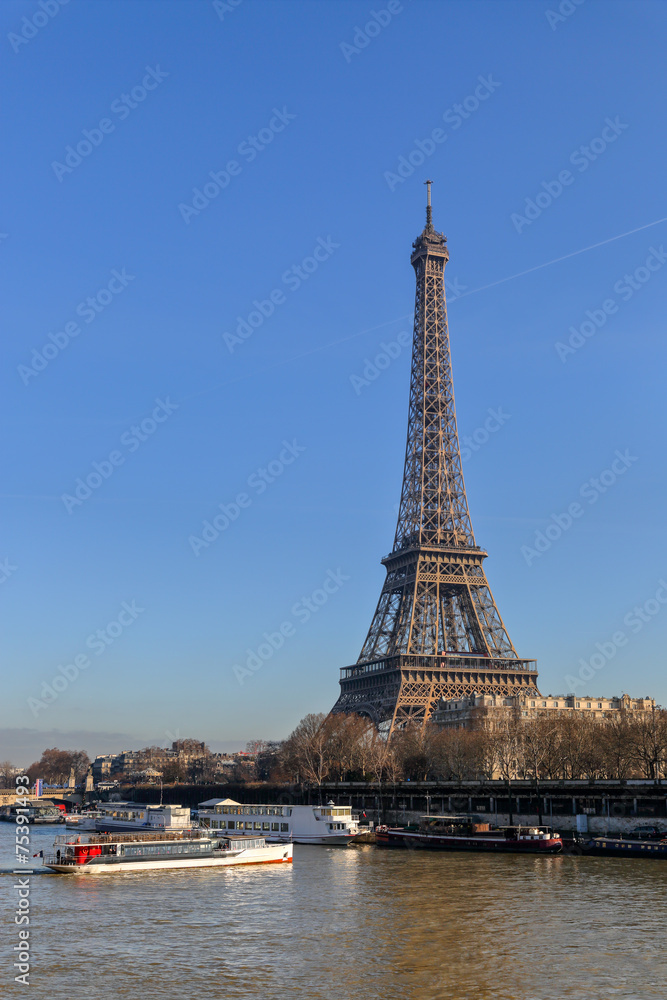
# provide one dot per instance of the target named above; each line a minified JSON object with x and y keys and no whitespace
{"x":130,"y":816}
{"x":328,"y":825}
{"x":83,"y":821}
{"x":106,"y":854}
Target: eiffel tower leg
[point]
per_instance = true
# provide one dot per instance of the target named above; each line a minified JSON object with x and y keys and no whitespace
{"x":415,"y":703}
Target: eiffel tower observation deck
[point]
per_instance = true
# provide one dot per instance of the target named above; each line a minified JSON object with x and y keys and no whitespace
{"x":436,"y":631}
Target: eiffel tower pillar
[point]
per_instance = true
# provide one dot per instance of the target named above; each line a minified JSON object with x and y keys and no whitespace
{"x":436,"y":631}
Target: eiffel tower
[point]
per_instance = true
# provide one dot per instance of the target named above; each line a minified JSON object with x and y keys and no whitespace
{"x":436,"y":631}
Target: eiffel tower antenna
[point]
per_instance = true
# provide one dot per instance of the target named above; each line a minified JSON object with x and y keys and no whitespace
{"x":436,"y":631}
{"x":429,"y":218}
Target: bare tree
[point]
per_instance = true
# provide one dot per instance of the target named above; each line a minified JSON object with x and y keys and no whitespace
{"x":55,"y":765}
{"x":616,"y":747}
{"x":649,"y":742}
{"x":7,"y":771}
{"x":305,"y":750}
{"x":344,"y":735}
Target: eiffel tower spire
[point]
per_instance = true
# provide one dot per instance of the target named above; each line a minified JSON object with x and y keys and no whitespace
{"x":436,"y":631}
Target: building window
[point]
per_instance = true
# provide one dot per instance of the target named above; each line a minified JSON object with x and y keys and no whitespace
{"x":599,"y":704}
{"x":532,"y":704}
{"x":578,"y":705}
{"x":555,"y":704}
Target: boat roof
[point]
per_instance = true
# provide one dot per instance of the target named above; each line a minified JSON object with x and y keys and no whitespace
{"x":73,"y":839}
{"x":219,"y":802}
{"x":99,"y":839}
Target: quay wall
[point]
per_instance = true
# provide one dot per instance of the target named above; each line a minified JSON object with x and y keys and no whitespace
{"x":608,"y":806}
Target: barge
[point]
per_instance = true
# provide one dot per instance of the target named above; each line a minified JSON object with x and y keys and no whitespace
{"x":465,"y":833}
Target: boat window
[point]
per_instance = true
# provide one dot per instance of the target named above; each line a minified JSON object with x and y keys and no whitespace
{"x":274,"y":826}
{"x":284,"y":827}
{"x":258,"y":826}
{"x":266,"y":826}
{"x":231,"y":825}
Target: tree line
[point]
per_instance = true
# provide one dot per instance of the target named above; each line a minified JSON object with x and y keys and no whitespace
{"x":349,"y":747}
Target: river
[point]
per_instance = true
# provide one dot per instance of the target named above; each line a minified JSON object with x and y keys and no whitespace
{"x":345,"y":923}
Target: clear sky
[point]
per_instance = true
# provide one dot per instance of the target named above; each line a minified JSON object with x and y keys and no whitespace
{"x":170,"y":350}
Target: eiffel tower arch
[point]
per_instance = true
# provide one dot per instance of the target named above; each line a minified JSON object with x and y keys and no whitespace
{"x":436,"y":631}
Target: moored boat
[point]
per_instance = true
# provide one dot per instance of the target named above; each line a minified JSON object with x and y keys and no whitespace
{"x":329,"y":825}
{"x":131,"y":816}
{"x":83,"y":820}
{"x":625,"y":847}
{"x":33,"y":813}
{"x":106,"y":854}
{"x":464,"y":833}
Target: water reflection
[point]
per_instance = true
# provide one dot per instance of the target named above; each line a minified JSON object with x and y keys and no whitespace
{"x":342,"y":923}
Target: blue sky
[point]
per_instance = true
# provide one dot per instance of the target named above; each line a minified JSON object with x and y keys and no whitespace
{"x":229,"y":332}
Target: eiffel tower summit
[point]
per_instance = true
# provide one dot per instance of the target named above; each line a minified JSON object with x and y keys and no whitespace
{"x":436,"y":631}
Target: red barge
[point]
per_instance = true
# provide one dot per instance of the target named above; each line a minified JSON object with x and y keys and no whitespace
{"x":466,"y":833}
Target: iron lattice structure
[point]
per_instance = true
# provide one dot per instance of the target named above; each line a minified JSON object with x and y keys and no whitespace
{"x":436,"y":631}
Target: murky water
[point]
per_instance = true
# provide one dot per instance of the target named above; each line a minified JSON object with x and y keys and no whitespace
{"x":346,"y":923}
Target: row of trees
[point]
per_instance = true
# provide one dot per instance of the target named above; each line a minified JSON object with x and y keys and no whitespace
{"x":348,"y":747}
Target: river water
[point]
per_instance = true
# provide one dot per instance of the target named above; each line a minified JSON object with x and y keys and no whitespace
{"x":344,"y":923}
